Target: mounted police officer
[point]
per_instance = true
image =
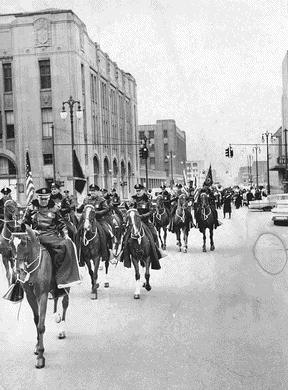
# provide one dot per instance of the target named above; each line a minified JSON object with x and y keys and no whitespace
{"x":173,"y":205}
{"x":115,"y":203}
{"x":212,"y":203}
{"x":101,"y":210}
{"x":141,"y":202}
{"x":44,"y":216}
{"x":6,"y":196}
{"x":166,"y":198}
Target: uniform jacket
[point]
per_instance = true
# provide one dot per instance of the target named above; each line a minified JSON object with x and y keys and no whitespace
{"x":115,"y":199}
{"x":45,"y":219}
{"x":143,"y":206}
{"x":99,"y":203}
{"x":62,"y":202}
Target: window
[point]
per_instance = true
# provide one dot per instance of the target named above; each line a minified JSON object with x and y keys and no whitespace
{"x":11,"y":168}
{"x":10,"y":124}
{"x":152,"y":160}
{"x":141,"y":134}
{"x":151,"y":134}
{"x":165,"y":134}
{"x":47,"y":159}
{"x":165,"y":148}
{"x":152,"y":147}
{"x":45,"y":74}
{"x":194,"y":164}
{"x":46,"y":122}
{"x":7,"y":72}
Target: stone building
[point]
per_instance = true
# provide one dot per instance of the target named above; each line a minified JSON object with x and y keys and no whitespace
{"x":46,"y":57}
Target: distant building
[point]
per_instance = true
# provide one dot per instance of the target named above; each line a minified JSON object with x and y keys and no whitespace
{"x":46,"y":57}
{"x":167,"y":153}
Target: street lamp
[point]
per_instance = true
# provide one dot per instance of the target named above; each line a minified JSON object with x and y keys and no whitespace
{"x":267,"y":135}
{"x":79,"y":114}
{"x":256,"y":148}
{"x":170,"y":156}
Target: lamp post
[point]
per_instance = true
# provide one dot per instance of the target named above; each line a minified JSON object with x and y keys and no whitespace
{"x":249,"y":157}
{"x":267,"y":135}
{"x":79,"y":114}
{"x":256,"y":148}
{"x":170,"y":156}
{"x":54,"y":157}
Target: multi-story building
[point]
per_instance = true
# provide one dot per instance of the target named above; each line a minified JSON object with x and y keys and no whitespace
{"x":46,"y":57}
{"x":198,"y":172}
{"x":167,"y":153}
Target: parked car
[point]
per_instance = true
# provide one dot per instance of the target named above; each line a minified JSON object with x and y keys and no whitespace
{"x":280,"y":212}
{"x":268,"y":203}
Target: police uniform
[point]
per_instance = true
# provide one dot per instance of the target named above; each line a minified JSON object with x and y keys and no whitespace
{"x":52,"y":230}
{"x":174,"y":202}
{"x":6,"y":196}
{"x":166,"y":198}
{"x":212,"y":203}
{"x":115,"y":202}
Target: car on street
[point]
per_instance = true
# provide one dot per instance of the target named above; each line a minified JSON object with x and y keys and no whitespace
{"x":280,"y":213}
{"x":268,"y":203}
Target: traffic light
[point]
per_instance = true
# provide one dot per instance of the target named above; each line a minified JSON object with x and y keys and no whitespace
{"x":231,"y":152}
{"x":145,"y":153}
{"x":141,"y":152}
{"x":227,"y":152}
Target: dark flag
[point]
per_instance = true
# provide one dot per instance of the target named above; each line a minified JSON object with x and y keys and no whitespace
{"x":209,"y":180}
{"x":29,"y":181}
{"x":79,"y":178}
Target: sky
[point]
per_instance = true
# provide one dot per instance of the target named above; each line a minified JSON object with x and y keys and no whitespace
{"x":214,"y":66}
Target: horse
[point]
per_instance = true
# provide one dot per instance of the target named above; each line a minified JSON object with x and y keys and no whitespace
{"x":161,"y":220}
{"x":11,"y":214}
{"x":139,"y":248}
{"x":90,"y":247}
{"x":206,"y":220}
{"x":35,"y":273}
{"x":181,"y":222}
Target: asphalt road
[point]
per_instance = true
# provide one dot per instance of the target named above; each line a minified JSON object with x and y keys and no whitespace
{"x":212,"y":320}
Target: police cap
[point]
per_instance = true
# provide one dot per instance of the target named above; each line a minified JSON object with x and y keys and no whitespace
{"x":139,"y":187}
{"x":43,"y":192}
{"x":55,"y":185}
{"x":179,"y":185}
{"x":163,"y":186}
{"x":94,"y":187}
{"x":5,"y":190}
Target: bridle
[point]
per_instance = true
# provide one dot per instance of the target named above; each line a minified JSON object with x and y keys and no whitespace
{"x":205,"y":206}
{"x":160,"y":207}
{"x":87,"y":224}
{"x":182,"y":207}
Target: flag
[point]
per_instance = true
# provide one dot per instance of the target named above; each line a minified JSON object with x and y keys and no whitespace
{"x":185,"y":178}
{"x":29,"y":181}
{"x":79,"y":178}
{"x":209,"y":180}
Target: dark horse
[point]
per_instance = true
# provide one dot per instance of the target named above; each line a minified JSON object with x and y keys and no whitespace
{"x":90,"y":246}
{"x":181,"y":222}
{"x":10,"y":218}
{"x":139,"y":248}
{"x":161,"y":220}
{"x":35,"y":273}
{"x":206,"y":220}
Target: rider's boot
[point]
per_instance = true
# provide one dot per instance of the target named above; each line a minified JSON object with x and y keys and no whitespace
{"x":15,"y":292}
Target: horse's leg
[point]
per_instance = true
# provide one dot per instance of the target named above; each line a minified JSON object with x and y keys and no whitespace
{"x":164,"y":237}
{"x":204,"y":240}
{"x":106,"y":283}
{"x":137,"y":278}
{"x":159,"y":235}
{"x":62,"y":323}
{"x":147,"y":274}
{"x":88,"y":263}
{"x":95,"y":277}
{"x":178,"y":235}
{"x":42,"y":304}
{"x":185,"y":239}
{"x":31,"y":298}
{"x":212,"y":247}
{"x":6,"y":263}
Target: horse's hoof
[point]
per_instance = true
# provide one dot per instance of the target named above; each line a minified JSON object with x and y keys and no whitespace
{"x":204,"y":250}
{"x":93,"y":296}
{"x":185,"y":250}
{"x":106,"y":284}
{"x":57,"y":318}
{"x":36,"y":350}
{"x":144,"y":284}
{"x":62,"y":335}
{"x":136,"y":296}
{"x":212,"y":248}
{"x":148,"y":287}
{"x":179,"y":250}
{"x":100,"y":267}
{"x":40,"y":363}
{"x":164,"y":247}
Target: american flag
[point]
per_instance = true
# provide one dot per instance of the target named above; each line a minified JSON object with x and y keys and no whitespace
{"x":29,"y":181}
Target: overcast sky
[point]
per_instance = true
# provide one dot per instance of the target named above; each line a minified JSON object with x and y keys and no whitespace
{"x":215,"y":66}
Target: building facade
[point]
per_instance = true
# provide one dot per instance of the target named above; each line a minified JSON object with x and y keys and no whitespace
{"x":167,"y":153}
{"x":46,"y":57}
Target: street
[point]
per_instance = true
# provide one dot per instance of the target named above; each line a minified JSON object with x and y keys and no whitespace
{"x":212,"y":320}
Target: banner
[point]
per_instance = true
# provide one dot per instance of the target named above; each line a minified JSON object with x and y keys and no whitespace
{"x":209,"y":180}
{"x":29,"y":181}
{"x":79,"y":177}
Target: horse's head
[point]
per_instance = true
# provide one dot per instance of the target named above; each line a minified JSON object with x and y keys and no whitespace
{"x":182,"y":201}
{"x":134,"y":220}
{"x":204,"y":199}
{"x":11,"y":211}
{"x":159,"y":201}
{"x":22,"y":245}
{"x":89,"y":217}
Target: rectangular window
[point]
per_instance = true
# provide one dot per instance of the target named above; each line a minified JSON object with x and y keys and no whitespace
{"x":151,"y":134}
{"x":11,"y":168}
{"x":10,"y":124}
{"x":7,"y":72}
{"x":194,"y":164}
{"x":152,"y":147}
{"x":152,"y":160}
{"x":47,"y":159}
{"x":165,"y":133}
{"x":45,"y":74}
{"x":46,"y":122}
{"x":165,"y":148}
{"x":141,"y":134}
